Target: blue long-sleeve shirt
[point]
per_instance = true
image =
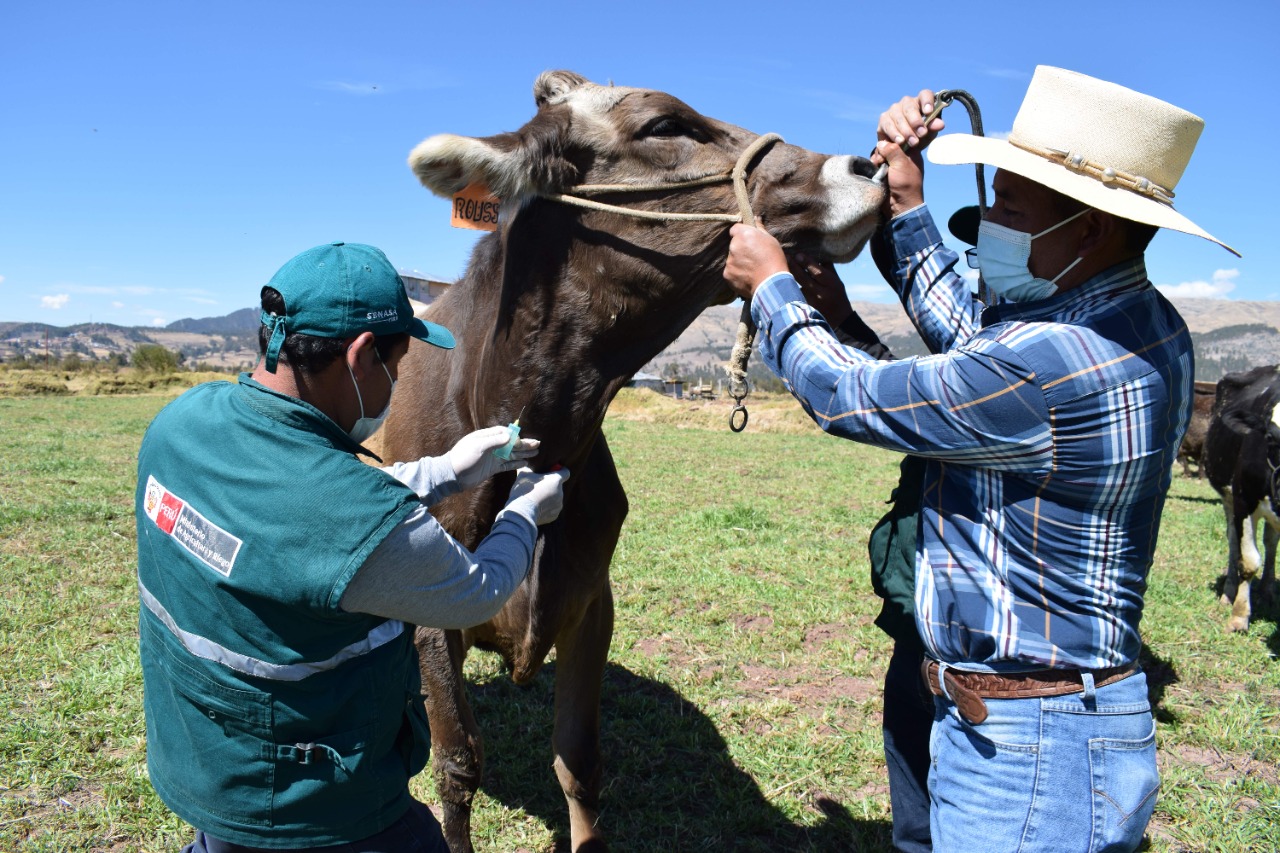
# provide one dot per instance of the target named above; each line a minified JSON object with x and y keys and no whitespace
{"x":1050,"y":429}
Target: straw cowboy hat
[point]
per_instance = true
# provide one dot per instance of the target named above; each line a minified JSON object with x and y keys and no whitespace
{"x":1110,"y":147}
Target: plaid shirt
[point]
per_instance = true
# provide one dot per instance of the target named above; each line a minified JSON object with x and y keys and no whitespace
{"x":1050,"y":428}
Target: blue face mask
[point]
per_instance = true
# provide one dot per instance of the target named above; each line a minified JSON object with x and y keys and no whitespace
{"x":1002,"y":259}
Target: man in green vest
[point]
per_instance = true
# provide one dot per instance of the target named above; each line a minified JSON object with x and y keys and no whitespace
{"x":280,"y":576}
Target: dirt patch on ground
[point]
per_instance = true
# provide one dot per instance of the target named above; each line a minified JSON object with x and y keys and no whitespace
{"x":24,"y":809}
{"x":760,"y":624}
{"x":650,"y":646}
{"x":820,"y":635}
{"x":1219,"y":766}
{"x":809,"y":690}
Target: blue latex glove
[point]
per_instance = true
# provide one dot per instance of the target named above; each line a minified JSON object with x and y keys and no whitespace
{"x":473,"y":460}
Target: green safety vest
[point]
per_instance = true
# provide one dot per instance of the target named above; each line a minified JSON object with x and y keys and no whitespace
{"x":274,"y":718}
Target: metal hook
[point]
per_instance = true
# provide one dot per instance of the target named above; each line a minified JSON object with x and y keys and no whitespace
{"x":733,"y":418}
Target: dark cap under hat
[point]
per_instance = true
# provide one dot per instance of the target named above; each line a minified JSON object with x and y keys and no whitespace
{"x":963,"y":224}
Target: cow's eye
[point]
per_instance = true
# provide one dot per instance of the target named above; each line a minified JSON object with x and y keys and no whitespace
{"x":667,"y":127}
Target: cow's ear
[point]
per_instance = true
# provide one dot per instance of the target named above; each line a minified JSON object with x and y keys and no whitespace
{"x":446,"y":163}
{"x":552,"y":87}
{"x":514,"y":166}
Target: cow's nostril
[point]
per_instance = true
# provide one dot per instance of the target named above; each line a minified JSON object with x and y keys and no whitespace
{"x":862,"y":167}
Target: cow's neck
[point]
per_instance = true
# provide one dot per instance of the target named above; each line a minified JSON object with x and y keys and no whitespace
{"x":580,"y":311}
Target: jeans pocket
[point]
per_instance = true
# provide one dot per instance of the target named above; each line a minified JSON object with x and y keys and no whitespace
{"x":1125,"y":781}
{"x":983,"y":783}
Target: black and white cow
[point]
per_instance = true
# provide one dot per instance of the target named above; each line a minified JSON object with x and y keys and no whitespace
{"x":1241,"y":458}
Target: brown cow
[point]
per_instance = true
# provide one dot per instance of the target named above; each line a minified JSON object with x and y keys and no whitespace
{"x":555,"y":312}
{"x":1191,"y":451}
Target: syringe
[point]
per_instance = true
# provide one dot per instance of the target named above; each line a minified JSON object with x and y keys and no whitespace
{"x":513,"y":435}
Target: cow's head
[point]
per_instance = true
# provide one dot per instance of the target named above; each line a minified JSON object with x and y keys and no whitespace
{"x":589,"y":134}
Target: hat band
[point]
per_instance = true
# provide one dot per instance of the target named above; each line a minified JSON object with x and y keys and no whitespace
{"x":1106,"y":174}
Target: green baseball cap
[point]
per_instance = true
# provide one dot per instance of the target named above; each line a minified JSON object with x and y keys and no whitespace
{"x":339,"y":290}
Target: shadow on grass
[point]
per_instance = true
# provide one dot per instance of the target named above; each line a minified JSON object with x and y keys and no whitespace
{"x":1160,"y":674}
{"x":1195,"y":499}
{"x":1266,"y":608}
{"x":1263,"y":607}
{"x":670,"y":783}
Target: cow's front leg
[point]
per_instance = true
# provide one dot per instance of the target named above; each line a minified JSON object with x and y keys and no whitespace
{"x":1251,"y":562}
{"x":457,"y":752}
{"x":1267,"y":583}
{"x":580,"y":662}
{"x":1234,"y":524}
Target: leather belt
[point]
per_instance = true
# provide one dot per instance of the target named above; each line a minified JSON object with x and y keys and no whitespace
{"x":968,"y":689}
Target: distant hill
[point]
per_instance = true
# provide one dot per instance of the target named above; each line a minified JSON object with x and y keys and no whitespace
{"x":1228,"y":336}
{"x":229,"y":342}
{"x":242,"y":322}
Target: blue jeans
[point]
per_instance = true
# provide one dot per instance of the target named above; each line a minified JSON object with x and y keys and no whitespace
{"x":417,"y":832}
{"x":1060,"y":773}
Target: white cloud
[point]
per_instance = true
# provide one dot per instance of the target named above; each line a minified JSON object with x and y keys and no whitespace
{"x":1,"y":279}
{"x":870,"y":292}
{"x":55,"y":302}
{"x":101,"y":290}
{"x":117,"y":304}
{"x":1223,"y":282}
{"x":158,"y":321}
{"x":353,"y":88}
{"x":201,"y":300}
{"x":406,"y":80}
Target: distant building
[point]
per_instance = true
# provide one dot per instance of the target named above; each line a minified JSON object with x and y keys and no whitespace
{"x":646,"y":380}
{"x":423,"y":287}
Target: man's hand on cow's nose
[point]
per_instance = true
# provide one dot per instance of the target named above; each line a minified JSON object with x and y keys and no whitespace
{"x":754,"y":255}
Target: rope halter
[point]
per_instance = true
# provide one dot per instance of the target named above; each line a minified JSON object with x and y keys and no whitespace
{"x":746,"y":336}
{"x":738,"y":176}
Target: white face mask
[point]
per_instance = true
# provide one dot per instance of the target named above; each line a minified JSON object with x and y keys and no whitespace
{"x":1002,"y":259}
{"x":365,"y":427}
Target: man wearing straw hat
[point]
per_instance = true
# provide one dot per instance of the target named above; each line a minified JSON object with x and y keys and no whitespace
{"x":1049,"y":421}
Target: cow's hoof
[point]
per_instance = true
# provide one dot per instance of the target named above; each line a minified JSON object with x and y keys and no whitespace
{"x":1238,"y":624}
{"x":457,"y":827}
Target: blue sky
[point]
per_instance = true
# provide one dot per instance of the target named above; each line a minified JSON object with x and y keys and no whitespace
{"x":161,"y":160}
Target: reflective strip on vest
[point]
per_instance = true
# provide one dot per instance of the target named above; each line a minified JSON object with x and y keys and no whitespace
{"x":203,"y":647}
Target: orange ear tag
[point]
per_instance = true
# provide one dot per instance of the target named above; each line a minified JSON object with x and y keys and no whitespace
{"x":476,"y":208}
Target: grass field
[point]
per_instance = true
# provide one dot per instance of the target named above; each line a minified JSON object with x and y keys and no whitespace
{"x":741,"y":703}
